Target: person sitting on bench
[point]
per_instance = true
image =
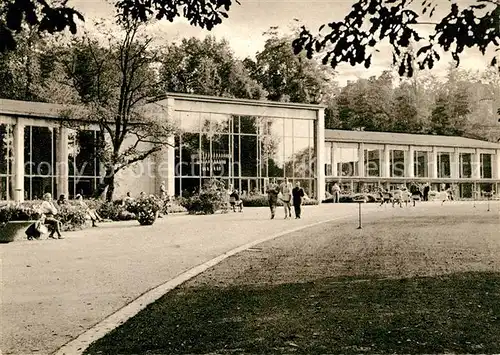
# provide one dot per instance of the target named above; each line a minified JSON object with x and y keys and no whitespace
{"x":49,"y":211}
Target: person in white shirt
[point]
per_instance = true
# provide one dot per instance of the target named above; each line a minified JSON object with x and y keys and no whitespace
{"x":91,"y":214}
{"x":49,"y":211}
{"x":286,"y":197}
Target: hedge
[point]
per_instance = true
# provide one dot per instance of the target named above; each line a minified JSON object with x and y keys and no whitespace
{"x":263,"y":201}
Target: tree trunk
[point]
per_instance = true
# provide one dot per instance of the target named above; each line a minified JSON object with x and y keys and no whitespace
{"x":109,"y":183}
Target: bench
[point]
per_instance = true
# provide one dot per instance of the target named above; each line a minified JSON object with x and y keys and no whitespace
{"x":14,"y":230}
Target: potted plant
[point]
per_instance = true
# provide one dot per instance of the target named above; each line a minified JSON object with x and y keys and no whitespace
{"x":146,"y":209}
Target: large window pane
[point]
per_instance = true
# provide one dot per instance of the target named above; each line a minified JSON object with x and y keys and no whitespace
{"x":276,"y":126}
{"x":421,"y":164}
{"x":39,"y":151}
{"x":40,"y":186}
{"x":372,"y":162}
{"x":84,"y":151}
{"x":444,"y":170}
{"x":5,"y":149}
{"x":301,"y":128}
{"x":189,"y":121}
{"x":302,"y":157}
{"x":220,"y":156}
{"x":4,"y":188}
{"x":220,"y":123}
{"x":276,"y":158}
{"x":328,"y":159}
{"x":347,"y":161}
{"x":248,"y":124}
{"x":289,"y":156}
{"x":486,"y":166}
{"x":190,"y":158}
{"x":397,"y":163}
{"x":465,"y":165}
{"x":248,"y":161}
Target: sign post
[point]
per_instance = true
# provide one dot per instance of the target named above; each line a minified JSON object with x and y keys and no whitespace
{"x":359,"y":215}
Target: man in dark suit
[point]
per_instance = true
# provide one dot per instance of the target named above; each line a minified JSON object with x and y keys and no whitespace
{"x":298,"y":195}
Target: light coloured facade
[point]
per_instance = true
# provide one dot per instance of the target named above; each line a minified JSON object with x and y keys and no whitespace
{"x":365,"y":161}
{"x":242,"y":142}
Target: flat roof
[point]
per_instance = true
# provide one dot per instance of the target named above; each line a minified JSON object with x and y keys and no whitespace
{"x":32,"y":109}
{"x":406,"y":139}
{"x":222,"y":100}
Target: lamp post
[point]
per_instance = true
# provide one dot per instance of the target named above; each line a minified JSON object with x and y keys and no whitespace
{"x":359,"y":215}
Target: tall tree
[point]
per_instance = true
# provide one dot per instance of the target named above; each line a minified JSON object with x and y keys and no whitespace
{"x":206,"y":67}
{"x":54,"y":16}
{"x":367,"y":104}
{"x":355,"y":39}
{"x":287,"y":77}
{"x":114,"y":84}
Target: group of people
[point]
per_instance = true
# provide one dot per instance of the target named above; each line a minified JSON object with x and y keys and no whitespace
{"x":48,"y":221}
{"x":287,"y":195}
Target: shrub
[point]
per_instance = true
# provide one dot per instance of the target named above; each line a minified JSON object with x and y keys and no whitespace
{"x":146,"y":209}
{"x":262,"y":201}
{"x":211,"y":198}
{"x":174,"y":206}
{"x":72,"y":217}
{"x":114,"y":211}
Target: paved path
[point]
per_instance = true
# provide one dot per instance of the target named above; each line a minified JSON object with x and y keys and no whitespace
{"x":53,"y":290}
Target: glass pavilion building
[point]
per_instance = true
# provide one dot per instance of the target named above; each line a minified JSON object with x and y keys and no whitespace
{"x":242,"y":142}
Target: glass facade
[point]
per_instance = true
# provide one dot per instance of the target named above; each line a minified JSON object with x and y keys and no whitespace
{"x":83,"y":163}
{"x":443,"y":167}
{"x":486,"y":172}
{"x":6,"y":161}
{"x":39,"y":161}
{"x":465,"y":168}
{"x":421,"y":164}
{"x":242,"y":151}
{"x":347,"y":158}
{"x":397,"y":163}
{"x":373,"y":162}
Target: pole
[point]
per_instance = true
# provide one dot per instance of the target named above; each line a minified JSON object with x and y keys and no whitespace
{"x":488,"y":203}
{"x":359,"y":215}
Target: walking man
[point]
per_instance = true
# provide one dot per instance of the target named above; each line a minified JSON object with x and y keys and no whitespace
{"x":272,"y":193}
{"x":426,"y":191}
{"x":298,"y":195}
{"x":286,"y":197}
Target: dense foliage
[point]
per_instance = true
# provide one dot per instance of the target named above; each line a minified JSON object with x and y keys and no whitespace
{"x":72,"y":215}
{"x":354,"y":40}
{"x":146,"y":209}
{"x":211,"y":198}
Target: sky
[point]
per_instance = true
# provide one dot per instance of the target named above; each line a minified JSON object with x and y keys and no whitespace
{"x":247,"y":22}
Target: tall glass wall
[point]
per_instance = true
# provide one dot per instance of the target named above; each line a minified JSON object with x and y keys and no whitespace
{"x":6,"y":161}
{"x":83,"y":163}
{"x":243,"y":151}
{"x":421,"y":164}
{"x":39,"y":161}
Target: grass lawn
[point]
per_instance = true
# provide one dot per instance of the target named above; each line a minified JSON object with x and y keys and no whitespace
{"x":412,"y":281}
